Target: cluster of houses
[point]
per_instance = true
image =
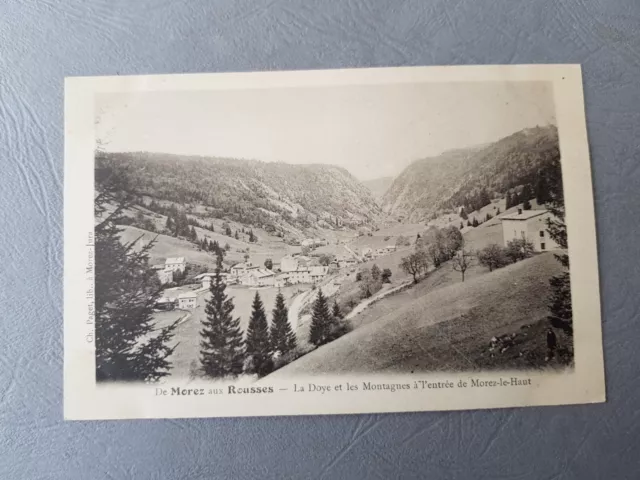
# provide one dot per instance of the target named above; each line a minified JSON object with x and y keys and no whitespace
{"x":293,"y":270}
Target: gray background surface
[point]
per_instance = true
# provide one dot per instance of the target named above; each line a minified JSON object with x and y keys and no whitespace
{"x":41,"y":42}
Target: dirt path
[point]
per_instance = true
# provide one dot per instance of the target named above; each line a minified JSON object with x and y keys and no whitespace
{"x":365,"y":303}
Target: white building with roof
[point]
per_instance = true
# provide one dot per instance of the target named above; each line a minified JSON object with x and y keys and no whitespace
{"x":175,"y":264}
{"x":164,"y":274}
{"x":529,"y":224}
{"x":187,"y":300}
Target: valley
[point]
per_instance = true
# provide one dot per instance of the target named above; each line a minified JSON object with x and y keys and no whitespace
{"x":299,"y":230}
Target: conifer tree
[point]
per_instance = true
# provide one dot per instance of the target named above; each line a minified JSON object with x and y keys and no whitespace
{"x":336,"y":310}
{"x":560,"y":309}
{"x":283,"y":340}
{"x":375,"y":272}
{"x":321,"y":321}
{"x":129,"y":347}
{"x":222,"y":346}
{"x":258,"y":344}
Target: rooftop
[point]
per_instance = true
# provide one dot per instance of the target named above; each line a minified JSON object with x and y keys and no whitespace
{"x":188,"y":295}
{"x":525,"y":215}
{"x":174,"y":260}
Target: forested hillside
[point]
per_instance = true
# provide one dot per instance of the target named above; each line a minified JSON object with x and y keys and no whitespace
{"x":470,"y":177}
{"x":255,"y":193}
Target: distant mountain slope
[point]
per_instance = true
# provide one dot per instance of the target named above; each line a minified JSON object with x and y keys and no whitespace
{"x":250,"y":191}
{"x":378,"y":186}
{"x":449,"y":180}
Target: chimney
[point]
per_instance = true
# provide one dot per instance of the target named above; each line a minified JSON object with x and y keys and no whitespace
{"x":519,"y":211}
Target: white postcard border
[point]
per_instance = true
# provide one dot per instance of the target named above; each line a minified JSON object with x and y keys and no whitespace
{"x":83,"y":399}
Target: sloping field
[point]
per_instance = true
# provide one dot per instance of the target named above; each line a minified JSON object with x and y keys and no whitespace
{"x":439,"y":330}
{"x":167,"y":246}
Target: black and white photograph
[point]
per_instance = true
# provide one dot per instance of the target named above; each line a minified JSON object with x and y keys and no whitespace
{"x":295,"y":235}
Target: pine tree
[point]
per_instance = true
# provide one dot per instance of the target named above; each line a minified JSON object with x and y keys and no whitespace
{"x":526,"y":205}
{"x":169,"y":225}
{"x":321,"y":321}
{"x":221,"y":347}
{"x":126,"y":290}
{"x":475,"y":222}
{"x":236,"y":235}
{"x":461,"y":226}
{"x":283,"y":340}
{"x":508,"y":201}
{"x":336,"y":310}
{"x":469,"y":223}
{"x":541,"y":189}
{"x":375,"y":272}
{"x":258,"y":343}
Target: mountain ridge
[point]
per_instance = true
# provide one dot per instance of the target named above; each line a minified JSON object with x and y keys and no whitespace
{"x":452,"y":179}
{"x":250,"y":191}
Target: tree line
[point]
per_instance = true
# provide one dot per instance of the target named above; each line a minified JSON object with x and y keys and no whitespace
{"x":225,"y":352}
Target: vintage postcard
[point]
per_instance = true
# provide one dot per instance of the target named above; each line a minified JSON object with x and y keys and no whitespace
{"x":324,"y":242}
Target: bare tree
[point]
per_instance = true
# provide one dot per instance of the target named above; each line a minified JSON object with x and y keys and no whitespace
{"x":461,"y":262}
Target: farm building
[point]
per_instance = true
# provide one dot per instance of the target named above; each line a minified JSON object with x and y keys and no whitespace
{"x":529,"y":224}
{"x":187,"y":300}
{"x":175,"y":264}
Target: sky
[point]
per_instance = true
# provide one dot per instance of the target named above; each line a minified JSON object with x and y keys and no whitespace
{"x":373,"y":131}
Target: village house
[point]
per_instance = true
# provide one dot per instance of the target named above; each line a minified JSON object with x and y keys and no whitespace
{"x":260,"y":277}
{"x":208,"y":278}
{"x":529,"y":224}
{"x":345,"y":262}
{"x":317,"y":273}
{"x":367,"y":252}
{"x":390,"y":248}
{"x":165,"y":275}
{"x":240,"y":269}
{"x":187,"y":301}
{"x":281,"y":280}
{"x":313,"y":242}
{"x":288,"y":264}
{"x":175,"y":264}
